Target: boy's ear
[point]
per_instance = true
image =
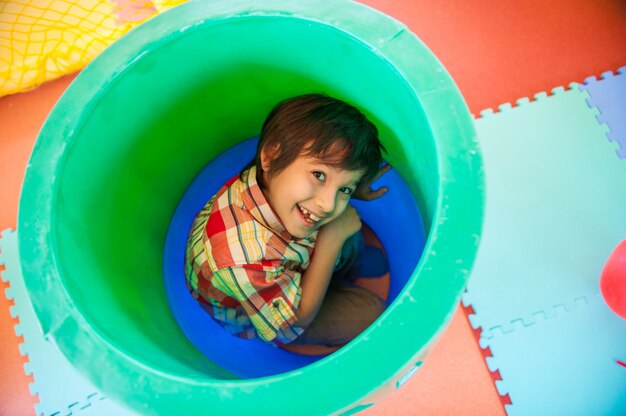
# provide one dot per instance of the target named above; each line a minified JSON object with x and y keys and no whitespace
{"x":268,"y":154}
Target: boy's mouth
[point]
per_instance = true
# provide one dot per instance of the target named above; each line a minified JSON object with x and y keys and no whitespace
{"x":309,"y":217}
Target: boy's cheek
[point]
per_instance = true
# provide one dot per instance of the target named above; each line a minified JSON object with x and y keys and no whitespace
{"x":336,"y":214}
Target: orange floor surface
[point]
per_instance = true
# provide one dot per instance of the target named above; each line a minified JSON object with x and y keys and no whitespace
{"x":497,"y":52}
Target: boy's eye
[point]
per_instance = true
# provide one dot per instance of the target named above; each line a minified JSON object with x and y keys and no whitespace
{"x":346,"y":190}
{"x":320,"y":175}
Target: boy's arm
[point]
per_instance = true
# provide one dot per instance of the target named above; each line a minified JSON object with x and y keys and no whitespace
{"x":270,"y":311}
{"x":316,"y":278}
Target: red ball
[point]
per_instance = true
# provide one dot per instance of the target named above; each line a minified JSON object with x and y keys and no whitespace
{"x":613,"y":280}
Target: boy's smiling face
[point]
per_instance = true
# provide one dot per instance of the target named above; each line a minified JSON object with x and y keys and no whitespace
{"x":308,"y":193}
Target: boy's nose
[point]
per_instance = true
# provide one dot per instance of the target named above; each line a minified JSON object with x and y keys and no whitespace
{"x":326,"y":202}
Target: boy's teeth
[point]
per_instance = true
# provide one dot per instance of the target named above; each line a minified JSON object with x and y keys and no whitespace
{"x":311,"y":216}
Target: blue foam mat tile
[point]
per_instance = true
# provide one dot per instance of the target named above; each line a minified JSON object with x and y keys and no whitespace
{"x":566,"y":365}
{"x":61,"y":389}
{"x":609,"y":95}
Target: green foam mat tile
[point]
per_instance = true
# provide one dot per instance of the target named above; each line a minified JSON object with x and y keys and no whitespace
{"x":61,"y":389}
{"x":554,"y":208}
{"x":565,"y":365}
{"x":554,"y":212}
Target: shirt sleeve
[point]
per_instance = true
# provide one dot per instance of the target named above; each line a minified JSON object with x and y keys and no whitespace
{"x":269,"y":297}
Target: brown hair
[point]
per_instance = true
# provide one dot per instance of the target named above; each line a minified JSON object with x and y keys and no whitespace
{"x":322,"y":127}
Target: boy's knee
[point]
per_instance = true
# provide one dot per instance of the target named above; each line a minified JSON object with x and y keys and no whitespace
{"x":375,"y":309}
{"x":363,"y":305}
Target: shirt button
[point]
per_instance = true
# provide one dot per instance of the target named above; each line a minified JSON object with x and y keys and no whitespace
{"x":276,"y":304}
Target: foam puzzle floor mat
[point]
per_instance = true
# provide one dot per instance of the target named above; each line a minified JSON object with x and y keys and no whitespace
{"x":609,"y":95}
{"x":554,"y":213}
{"x":61,"y":389}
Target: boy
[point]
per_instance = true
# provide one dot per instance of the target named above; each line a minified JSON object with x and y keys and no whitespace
{"x":262,"y":252}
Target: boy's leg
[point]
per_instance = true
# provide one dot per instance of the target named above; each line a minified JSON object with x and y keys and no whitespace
{"x":357,"y":259}
{"x":348,"y":257}
{"x":345,"y":313}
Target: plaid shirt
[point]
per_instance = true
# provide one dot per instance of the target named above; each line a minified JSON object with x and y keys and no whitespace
{"x":243,"y":266}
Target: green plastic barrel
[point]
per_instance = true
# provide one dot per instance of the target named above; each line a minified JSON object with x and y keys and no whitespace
{"x":135,"y":127}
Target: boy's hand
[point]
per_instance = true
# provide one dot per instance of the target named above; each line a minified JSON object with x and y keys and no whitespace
{"x":366,"y":193}
{"x":342,"y":227}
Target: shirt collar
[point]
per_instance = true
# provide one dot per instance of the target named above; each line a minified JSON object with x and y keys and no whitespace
{"x":255,"y":202}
